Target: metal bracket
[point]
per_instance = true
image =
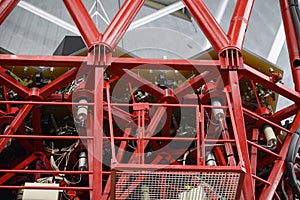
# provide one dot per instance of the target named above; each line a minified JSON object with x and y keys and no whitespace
{"x":100,"y":55}
{"x":230,"y":58}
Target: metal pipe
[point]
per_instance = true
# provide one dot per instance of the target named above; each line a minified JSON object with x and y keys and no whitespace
{"x":45,"y":103}
{"x":83,"y":22}
{"x":208,"y":24}
{"x":239,"y":22}
{"x":154,"y":138}
{"x":120,"y":23}
{"x":32,"y":60}
{"x":23,"y":171}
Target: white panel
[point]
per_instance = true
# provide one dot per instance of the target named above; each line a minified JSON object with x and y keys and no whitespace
{"x":31,"y":194}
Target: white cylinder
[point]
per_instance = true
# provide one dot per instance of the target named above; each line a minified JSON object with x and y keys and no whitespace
{"x":270,"y":135}
{"x":82,"y":111}
{"x":217,"y":112}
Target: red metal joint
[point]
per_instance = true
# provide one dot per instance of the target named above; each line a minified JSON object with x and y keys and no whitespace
{"x":169,"y":97}
{"x":100,"y":55}
{"x":230,"y":58}
{"x":34,"y":95}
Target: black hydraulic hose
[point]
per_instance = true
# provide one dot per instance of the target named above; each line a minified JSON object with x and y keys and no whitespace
{"x":297,"y":9}
{"x":290,"y":160}
{"x":295,"y":13}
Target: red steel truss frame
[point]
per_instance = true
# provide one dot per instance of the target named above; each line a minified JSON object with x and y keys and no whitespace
{"x":230,"y":64}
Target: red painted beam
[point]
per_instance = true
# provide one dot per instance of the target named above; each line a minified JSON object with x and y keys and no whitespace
{"x":142,"y":83}
{"x":263,"y":79}
{"x":128,"y":63}
{"x":13,"y":84}
{"x":208,"y":24}
{"x":37,"y":128}
{"x":110,"y":122}
{"x":83,"y":22}
{"x":163,"y":64}
{"x":279,"y":165}
{"x":190,"y":168}
{"x":239,"y":22}
{"x":29,"y":60}
{"x":58,"y":83}
{"x":14,"y":125}
{"x":286,"y":112}
{"x":248,"y":189}
{"x":98,"y":132}
{"x":6,"y":6}
{"x":194,"y":83}
{"x":120,"y":23}
{"x":22,"y":165}
{"x":156,"y":119}
{"x":119,"y":115}
{"x":262,"y":119}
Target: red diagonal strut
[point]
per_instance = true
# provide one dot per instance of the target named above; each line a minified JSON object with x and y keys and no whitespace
{"x":59,"y":82}
{"x":208,"y":24}
{"x":22,"y":165}
{"x":239,"y":22}
{"x":14,"y":125}
{"x":121,"y":22}
{"x":83,"y":22}
{"x":13,"y":84}
{"x":144,"y":84}
{"x":6,"y":6}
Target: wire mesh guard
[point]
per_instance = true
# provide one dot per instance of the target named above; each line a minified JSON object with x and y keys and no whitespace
{"x":149,"y":185}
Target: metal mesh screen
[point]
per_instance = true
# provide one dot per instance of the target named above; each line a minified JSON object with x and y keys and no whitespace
{"x":149,"y":185}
